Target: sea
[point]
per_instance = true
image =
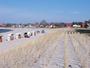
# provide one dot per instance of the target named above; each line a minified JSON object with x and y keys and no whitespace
{"x":4,"y":30}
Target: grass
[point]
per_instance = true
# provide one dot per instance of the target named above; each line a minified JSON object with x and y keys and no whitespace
{"x":26,"y":56}
{"x":83,"y":31}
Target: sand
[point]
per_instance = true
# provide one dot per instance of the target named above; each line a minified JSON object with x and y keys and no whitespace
{"x":54,"y":49}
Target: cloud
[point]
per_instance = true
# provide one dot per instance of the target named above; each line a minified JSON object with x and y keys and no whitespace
{"x":75,"y":12}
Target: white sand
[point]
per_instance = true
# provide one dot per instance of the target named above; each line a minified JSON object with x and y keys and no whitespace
{"x":54,"y":49}
{"x":6,"y":45}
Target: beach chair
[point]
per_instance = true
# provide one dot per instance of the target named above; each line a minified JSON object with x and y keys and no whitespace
{"x":42,"y":31}
{"x":12,"y":37}
{"x":29,"y":34}
{"x":26,"y":35}
{"x":34,"y":33}
{"x":38,"y":31}
{"x":18,"y":36}
{"x":0,"y":38}
{"x":8,"y":38}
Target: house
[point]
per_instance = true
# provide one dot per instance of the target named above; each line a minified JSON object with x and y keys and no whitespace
{"x":76,"y":26}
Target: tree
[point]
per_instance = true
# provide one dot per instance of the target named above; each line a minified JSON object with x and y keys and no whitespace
{"x":44,"y":23}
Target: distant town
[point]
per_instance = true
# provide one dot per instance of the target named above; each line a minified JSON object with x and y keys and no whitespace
{"x":45,"y":24}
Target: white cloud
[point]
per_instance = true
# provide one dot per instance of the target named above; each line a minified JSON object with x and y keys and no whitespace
{"x":75,"y":12}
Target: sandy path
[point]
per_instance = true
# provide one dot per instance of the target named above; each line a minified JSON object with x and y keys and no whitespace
{"x":71,"y":57}
{"x":82,"y":47}
{"x":53,"y":56}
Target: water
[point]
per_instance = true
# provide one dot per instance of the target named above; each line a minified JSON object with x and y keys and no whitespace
{"x":4,"y":30}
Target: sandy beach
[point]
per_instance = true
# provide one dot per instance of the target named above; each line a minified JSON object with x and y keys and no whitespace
{"x":56,"y":48}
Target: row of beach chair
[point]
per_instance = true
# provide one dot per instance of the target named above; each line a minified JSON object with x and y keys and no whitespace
{"x":12,"y":36}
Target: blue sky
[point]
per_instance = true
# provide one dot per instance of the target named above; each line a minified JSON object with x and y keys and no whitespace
{"x":17,"y":11}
